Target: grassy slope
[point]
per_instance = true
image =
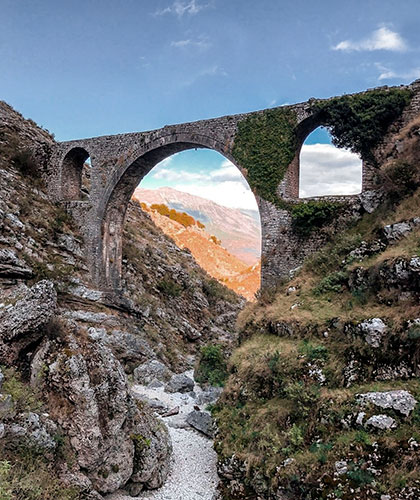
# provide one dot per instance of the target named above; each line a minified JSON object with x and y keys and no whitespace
{"x":275,"y":407}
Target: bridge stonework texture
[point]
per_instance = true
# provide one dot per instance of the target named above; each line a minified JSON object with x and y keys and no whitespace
{"x":119,"y":162}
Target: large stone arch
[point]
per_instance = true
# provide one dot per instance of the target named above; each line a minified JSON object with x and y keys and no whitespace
{"x":117,"y":194}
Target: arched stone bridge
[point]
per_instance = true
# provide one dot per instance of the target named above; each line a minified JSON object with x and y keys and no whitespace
{"x":119,"y":162}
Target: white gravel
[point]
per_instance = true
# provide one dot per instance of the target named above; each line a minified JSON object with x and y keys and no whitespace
{"x":193,"y":473}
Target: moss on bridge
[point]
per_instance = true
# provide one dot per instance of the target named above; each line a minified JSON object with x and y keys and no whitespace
{"x":267,"y":142}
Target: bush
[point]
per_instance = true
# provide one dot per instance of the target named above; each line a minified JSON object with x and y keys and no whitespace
{"x":333,"y":282}
{"x":24,"y":397}
{"x":212,"y":367}
{"x":25,"y":162}
{"x":400,"y":179}
{"x":313,"y":352}
{"x":311,"y":215}
{"x":169,"y":287}
{"x":215,"y":291}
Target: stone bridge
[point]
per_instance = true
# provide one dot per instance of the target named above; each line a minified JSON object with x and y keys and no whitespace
{"x":119,"y":162}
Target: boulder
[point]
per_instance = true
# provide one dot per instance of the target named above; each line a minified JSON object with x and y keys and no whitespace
{"x":201,"y":421}
{"x":180,"y":383}
{"x":150,"y":371}
{"x":401,"y":401}
{"x":395,"y":232}
{"x":381,"y":422}
{"x":210,"y":395}
{"x":373,"y":330}
{"x":91,"y":402}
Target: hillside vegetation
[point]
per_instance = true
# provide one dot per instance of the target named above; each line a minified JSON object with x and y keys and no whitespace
{"x":322,"y":397}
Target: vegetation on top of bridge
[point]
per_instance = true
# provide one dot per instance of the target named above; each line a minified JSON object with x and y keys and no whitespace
{"x":359,"y":122}
{"x":266,"y":143}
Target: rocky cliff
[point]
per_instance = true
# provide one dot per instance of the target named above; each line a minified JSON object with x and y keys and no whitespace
{"x":69,"y":424}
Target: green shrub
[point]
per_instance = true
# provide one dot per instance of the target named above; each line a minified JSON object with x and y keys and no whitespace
{"x":313,"y":214}
{"x":359,"y":122}
{"x":333,"y":282}
{"x":296,"y":436}
{"x":5,"y":490}
{"x":215,"y":291}
{"x":313,"y":352}
{"x":169,"y":287}
{"x":24,"y":397}
{"x":212,"y":368}
{"x":360,"y":476}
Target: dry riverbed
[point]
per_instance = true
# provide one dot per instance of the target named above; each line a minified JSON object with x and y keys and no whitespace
{"x":193,"y":473}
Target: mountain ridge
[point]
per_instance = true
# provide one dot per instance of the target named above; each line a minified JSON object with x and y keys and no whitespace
{"x":239,"y":230}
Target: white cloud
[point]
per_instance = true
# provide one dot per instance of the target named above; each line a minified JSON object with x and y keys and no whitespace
{"x":178,"y":175}
{"x":224,"y":185}
{"x":381,"y":39}
{"x":179,"y":8}
{"x":201,"y":43}
{"x":210,"y":71}
{"x":233,"y":194}
{"x":325,"y":170}
{"x":389,"y":74}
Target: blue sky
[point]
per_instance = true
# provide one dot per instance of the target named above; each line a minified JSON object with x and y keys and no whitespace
{"x":95,"y":67}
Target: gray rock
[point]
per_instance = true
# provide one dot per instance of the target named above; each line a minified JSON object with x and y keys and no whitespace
{"x":104,"y":424}
{"x":180,"y":383}
{"x":414,"y":264}
{"x":210,"y":395}
{"x":341,"y":467}
{"x":373,"y":330}
{"x":91,"y":317}
{"x":382,"y":422}
{"x":130,"y":348}
{"x":201,"y":421}
{"x":21,"y":323}
{"x":6,"y":406}
{"x":1,"y":379}
{"x":11,"y":266}
{"x":401,"y":401}
{"x":395,"y":232}
{"x":155,"y":404}
{"x":155,"y":384}
{"x":84,"y":292}
{"x":151,"y":370}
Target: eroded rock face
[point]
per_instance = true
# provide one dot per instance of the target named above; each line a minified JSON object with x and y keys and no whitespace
{"x":21,"y":323}
{"x":89,"y":398}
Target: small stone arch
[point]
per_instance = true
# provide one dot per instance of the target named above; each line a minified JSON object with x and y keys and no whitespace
{"x":115,"y":203}
{"x":71,"y":174}
{"x":292,"y":178}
